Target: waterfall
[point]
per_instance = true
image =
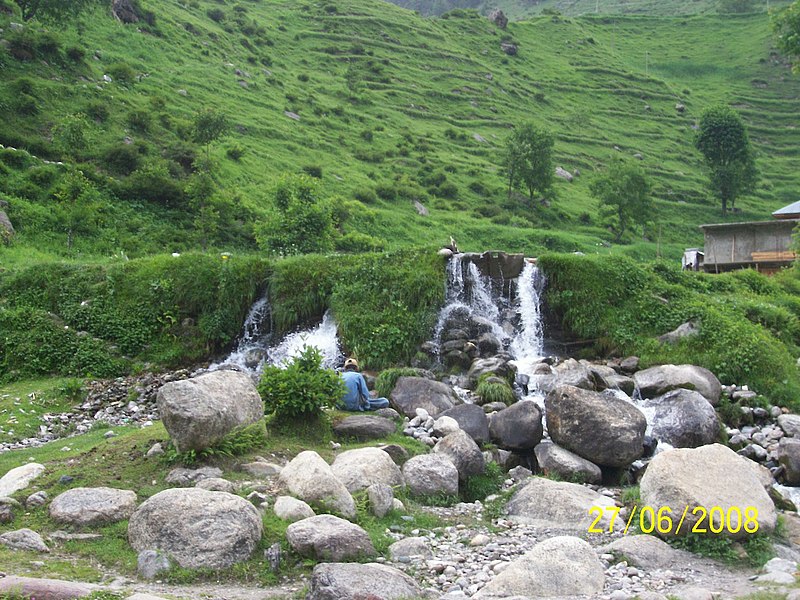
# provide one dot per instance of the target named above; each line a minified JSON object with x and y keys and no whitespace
{"x":254,"y":340}
{"x":528,"y":341}
{"x":323,"y":337}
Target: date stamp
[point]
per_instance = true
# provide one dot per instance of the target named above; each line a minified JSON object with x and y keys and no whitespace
{"x":661,"y":520}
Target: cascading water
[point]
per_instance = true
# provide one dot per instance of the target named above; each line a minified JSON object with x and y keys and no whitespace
{"x":527,"y":345}
{"x":323,"y":337}
{"x":254,"y":340}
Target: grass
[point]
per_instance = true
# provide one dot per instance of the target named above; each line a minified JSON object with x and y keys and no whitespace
{"x":23,"y":403}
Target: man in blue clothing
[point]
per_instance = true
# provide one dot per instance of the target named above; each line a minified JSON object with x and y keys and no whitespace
{"x":357,"y":395}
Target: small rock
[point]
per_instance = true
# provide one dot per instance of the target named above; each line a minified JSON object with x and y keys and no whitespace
{"x":24,"y":539}
{"x":151,"y":563}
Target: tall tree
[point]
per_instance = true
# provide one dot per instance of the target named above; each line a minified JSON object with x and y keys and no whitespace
{"x":787,"y":29}
{"x":528,"y":159}
{"x":725,"y":145}
{"x":623,"y":191}
{"x":53,"y":10}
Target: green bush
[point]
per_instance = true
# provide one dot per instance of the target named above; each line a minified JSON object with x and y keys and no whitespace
{"x":478,"y":487}
{"x":303,"y":388}
{"x":359,"y":242}
{"x":386,"y":380}
{"x":121,"y":72}
{"x":494,"y":389}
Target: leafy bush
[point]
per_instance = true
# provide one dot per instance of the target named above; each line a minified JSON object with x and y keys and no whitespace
{"x":386,"y":380}
{"x":235,"y":152}
{"x":240,"y":441}
{"x":122,"y":159}
{"x":494,"y":389}
{"x":121,"y":72}
{"x":359,"y":242}
{"x":301,"y":389}
{"x":478,"y":487}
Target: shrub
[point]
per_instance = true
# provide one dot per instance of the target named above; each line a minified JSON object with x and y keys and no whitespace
{"x":359,"y":242}
{"x":386,"y":380}
{"x":140,"y":120}
{"x":121,"y":72}
{"x":235,"y":152}
{"x":478,"y":487}
{"x":216,"y":14}
{"x":76,"y":54}
{"x":97,"y":110}
{"x":314,"y":171}
{"x":494,"y":389}
{"x":122,"y":159}
{"x":365,"y":195}
{"x":301,"y":389}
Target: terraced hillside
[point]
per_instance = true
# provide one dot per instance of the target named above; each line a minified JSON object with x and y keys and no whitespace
{"x":389,"y":108}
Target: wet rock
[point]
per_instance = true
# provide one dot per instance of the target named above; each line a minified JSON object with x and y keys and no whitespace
{"x":329,"y":538}
{"x":571,"y":372}
{"x":498,"y":366}
{"x":92,"y":506}
{"x":682,"y":418}
{"x":310,"y":478}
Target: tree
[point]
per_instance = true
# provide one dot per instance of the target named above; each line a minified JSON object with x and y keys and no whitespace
{"x":53,"y":10}
{"x":723,"y":141}
{"x":302,"y":221}
{"x":624,"y":194}
{"x":528,"y":159}
{"x":208,"y":126}
{"x":786,"y":25}
{"x":79,"y":206}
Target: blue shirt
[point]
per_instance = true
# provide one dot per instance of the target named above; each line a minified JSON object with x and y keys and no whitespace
{"x":357,"y":395}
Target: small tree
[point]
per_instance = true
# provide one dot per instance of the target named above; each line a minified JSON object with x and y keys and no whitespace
{"x":79,"y":206}
{"x":624,"y":195}
{"x":208,"y":126}
{"x":528,"y":159}
{"x":725,"y":145}
{"x":786,"y":25}
{"x":302,"y":221}
{"x":55,"y":11}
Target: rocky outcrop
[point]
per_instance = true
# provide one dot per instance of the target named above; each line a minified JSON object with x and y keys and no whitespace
{"x":50,"y":589}
{"x":19,"y":478}
{"x":92,"y":506}
{"x":310,"y":478}
{"x":23,"y":539}
{"x":461,"y":450}
{"x":431,"y":475}
{"x":789,"y":459}
{"x":659,"y":380}
{"x":360,"y":468}
{"x":682,"y":418}
{"x":411,"y":393}
{"x":708,"y":477}
{"x":125,"y":11}
{"x":329,"y":538}
{"x":558,"y":461}
{"x":199,"y":412}
{"x":498,"y":18}
{"x":601,"y":428}
{"x":348,"y":581}
{"x":518,"y":427}
{"x":558,"y":567}
{"x":197,"y":528}
{"x":499,"y":366}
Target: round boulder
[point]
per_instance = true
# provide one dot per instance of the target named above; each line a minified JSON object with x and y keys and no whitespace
{"x":411,"y":393}
{"x":472,"y":419}
{"x":431,"y":475}
{"x":555,"y":460}
{"x":311,"y":479}
{"x":93,"y":506}
{"x":460,"y":449}
{"x":364,"y":427}
{"x":602,"y":428}
{"x":339,"y":581}
{"x":682,"y":418}
{"x":292,"y":509}
{"x":199,"y":412}
{"x":659,"y":380}
{"x":710,"y":477}
{"x":518,"y":427}
{"x":360,"y":468}
{"x":197,"y":528}
{"x":329,"y":538}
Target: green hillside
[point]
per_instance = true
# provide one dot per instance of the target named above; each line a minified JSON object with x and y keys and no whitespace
{"x":387,"y":108}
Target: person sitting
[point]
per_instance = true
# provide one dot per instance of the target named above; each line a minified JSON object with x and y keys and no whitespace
{"x":357,"y":396}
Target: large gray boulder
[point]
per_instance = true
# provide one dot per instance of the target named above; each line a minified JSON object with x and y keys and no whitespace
{"x":555,"y":460}
{"x":49,"y":589}
{"x":19,"y":478}
{"x":199,"y":412}
{"x":411,"y":393}
{"x":789,"y":459}
{"x":92,"y":506}
{"x":557,"y":567}
{"x":790,"y":425}
{"x":311,"y":479}
{"x":659,"y":380}
{"x":197,"y":528}
{"x":360,"y":468}
{"x":348,"y":581}
{"x":364,"y":427}
{"x":545,"y":503}
{"x":602,"y":428}
{"x":712,"y":476}
{"x":23,"y":539}
{"x":682,"y":418}
{"x":329,"y":538}
{"x":472,"y":419}
{"x":518,"y":427}
{"x":460,"y":449}
{"x":431,"y":475}
{"x":292,"y":509}
{"x":572,"y":372}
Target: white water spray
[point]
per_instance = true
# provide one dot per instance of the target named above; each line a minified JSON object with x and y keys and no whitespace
{"x":323,"y":337}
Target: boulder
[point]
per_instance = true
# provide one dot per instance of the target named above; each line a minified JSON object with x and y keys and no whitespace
{"x":498,"y":18}
{"x":557,"y":567}
{"x":564,"y":174}
{"x":197,"y":528}
{"x":151,"y":563}
{"x":364,"y":427}
{"x":19,"y":478}
{"x":602,"y":428}
{"x":292,"y":509}
{"x":329,"y":538}
{"x":659,"y":380}
{"x":509,"y":48}
{"x":186,"y":477}
{"x":261,"y":469}
{"x":555,"y":460}
{"x":6,"y":228}
{"x":310,"y":478}
{"x":24,"y":539}
{"x":688,"y":329}
{"x":789,"y":459}
{"x":410,"y":547}
{"x":381,"y":499}
{"x":647,"y":552}
{"x":125,"y":11}
{"x":46,"y":589}
{"x":216,"y":484}
{"x":518,"y":427}
{"x":472,"y":419}
{"x":411,"y":393}
{"x":431,"y":475}
{"x":460,"y":449}
{"x":709,"y":477}
{"x":499,"y":366}
{"x":545,"y":503}
{"x":682,"y":418}
{"x":348,"y":581}
{"x":790,"y":425}
{"x":445,"y":425}
{"x":199,"y":412}
{"x":93,"y":506}
{"x":360,"y":468}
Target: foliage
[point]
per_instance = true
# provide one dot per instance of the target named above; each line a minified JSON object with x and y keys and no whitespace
{"x":208,"y":126}
{"x":300,"y":388}
{"x":238,"y":442}
{"x":302,"y":220}
{"x":723,"y":141}
{"x":494,"y":389}
{"x":386,"y":380}
{"x":786,"y":24}
{"x":623,"y":192}
{"x":478,"y":487}
{"x":528,"y":159}
{"x":55,"y":11}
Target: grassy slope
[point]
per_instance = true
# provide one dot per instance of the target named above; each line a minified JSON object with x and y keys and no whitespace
{"x":424,"y":97}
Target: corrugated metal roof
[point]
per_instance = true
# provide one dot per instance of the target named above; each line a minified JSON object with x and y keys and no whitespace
{"x":749,"y":224}
{"x":791,"y":209}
